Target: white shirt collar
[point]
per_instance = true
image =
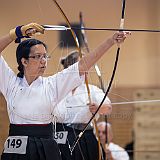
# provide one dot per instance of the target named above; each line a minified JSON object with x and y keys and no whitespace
{"x":33,"y":84}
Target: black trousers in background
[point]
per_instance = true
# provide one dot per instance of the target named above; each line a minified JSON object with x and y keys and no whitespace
{"x":86,"y":149}
{"x":40,"y":146}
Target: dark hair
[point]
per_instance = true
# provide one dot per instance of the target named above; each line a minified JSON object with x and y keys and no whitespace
{"x":23,"y":51}
{"x":70,"y":59}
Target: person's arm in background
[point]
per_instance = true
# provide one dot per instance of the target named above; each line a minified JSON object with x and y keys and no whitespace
{"x":118,"y":153}
{"x":97,"y":95}
{"x":106,"y":108}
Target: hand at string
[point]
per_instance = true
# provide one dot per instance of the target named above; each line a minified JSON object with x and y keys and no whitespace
{"x":93,"y":107}
{"x":25,"y":31}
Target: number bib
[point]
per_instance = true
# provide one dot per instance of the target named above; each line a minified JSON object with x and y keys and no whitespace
{"x":61,"y":137}
{"x":16,"y":144}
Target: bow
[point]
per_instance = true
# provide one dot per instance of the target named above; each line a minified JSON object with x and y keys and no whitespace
{"x":110,"y":83}
{"x":118,"y":50}
{"x":85,"y":42}
{"x":69,"y":25}
{"x":79,"y":50}
{"x":88,"y":50}
{"x":98,"y":72}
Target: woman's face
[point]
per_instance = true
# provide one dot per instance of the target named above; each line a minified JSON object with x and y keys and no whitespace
{"x":37,"y":61}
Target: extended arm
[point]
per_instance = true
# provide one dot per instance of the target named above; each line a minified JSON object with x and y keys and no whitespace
{"x":90,"y":59}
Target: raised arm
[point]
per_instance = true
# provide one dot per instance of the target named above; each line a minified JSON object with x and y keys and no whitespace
{"x":18,"y":33}
{"x":4,"y":42}
{"x":90,"y":59}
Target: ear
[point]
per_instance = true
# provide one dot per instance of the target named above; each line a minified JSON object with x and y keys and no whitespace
{"x":24,"y":62}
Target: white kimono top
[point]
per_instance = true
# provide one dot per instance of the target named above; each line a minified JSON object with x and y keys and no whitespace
{"x":74,"y":109}
{"x":118,"y":153}
{"x":34,"y":104}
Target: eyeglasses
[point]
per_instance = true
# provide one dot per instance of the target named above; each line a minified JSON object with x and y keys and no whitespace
{"x":40,"y":57}
{"x":103,"y":132}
